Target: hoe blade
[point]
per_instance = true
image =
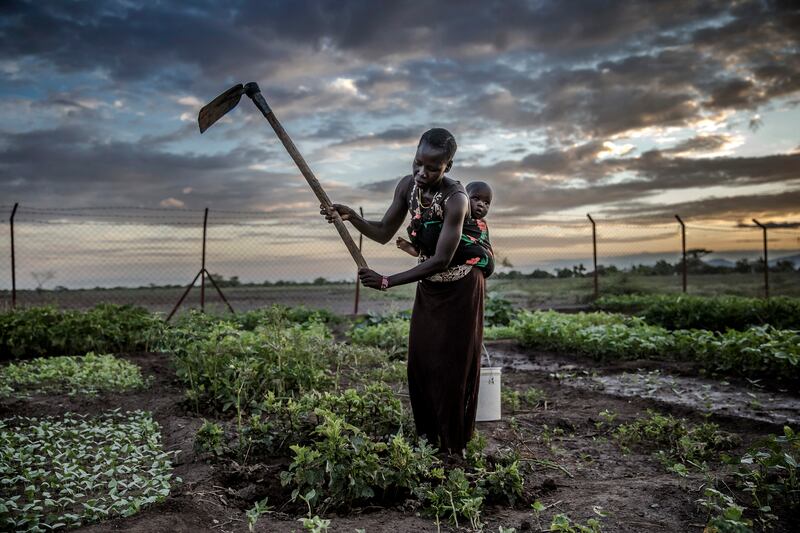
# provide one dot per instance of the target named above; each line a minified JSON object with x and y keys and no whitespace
{"x":219,"y":106}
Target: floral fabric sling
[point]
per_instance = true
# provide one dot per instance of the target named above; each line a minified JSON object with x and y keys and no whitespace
{"x":474,"y":248}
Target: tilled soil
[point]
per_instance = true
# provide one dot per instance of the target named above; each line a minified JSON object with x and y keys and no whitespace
{"x":576,"y":467}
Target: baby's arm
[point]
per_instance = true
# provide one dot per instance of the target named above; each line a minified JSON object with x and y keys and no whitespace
{"x":407,"y":247}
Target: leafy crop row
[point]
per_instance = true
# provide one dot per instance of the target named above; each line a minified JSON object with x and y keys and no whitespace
{"x":81,"y":374}
{"x":717,"y":313}
{"x":760,"y":352}
{"x":69,"y":471}
{"x":47,"y":331}
{"x":227,"y":368}
{"x":293,"y":394}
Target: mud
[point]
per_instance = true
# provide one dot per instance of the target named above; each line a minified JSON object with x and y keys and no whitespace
{"x":666,"y":383}
{"x":575,"y":467}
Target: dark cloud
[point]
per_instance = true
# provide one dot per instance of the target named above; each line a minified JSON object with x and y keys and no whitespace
{"x":82,"y":168}
{"x":575,"y":77}
{"x":702,"y":143}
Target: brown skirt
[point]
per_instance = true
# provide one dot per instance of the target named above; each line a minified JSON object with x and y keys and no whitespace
{"x":444,"y":359}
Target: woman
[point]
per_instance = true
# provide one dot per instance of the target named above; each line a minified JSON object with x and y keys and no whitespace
{"x":447,"y":318}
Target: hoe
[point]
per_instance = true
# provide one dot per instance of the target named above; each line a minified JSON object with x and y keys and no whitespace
{"x":228,"y":100}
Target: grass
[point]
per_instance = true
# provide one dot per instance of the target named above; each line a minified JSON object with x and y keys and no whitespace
{"x":83,"y":374}
{"x":70,"y":471}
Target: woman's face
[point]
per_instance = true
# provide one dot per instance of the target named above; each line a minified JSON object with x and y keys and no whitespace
{"x":430,"y":165}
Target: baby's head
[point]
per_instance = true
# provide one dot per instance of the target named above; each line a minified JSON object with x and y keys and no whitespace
{"x":480,"y":197}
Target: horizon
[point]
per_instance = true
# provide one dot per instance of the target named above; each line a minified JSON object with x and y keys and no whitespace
{"x":626,"y":110}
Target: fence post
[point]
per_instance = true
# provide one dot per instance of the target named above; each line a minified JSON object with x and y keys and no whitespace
{"x":594,"y":256}
{"x":766,"y":259}
{"x":358,"y":281}
{"x":203,"y":268}
{"x":683,"y":249}
{"x":13,"y":261}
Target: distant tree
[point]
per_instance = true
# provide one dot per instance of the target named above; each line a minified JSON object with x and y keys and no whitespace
{"x":743,"y":266}
{"x":578,"y":270}
{"x":540,"y":274}
{"x":564,"y":273}
{"x":694,"y":261}
{"x":320,"y":281}
{"x":603,"y":270}
{"x":784,"y":265}
{"x":506,"y":263}
{"x":663,"y":268}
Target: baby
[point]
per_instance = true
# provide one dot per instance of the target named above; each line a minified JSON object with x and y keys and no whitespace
{"x":475,"y":231}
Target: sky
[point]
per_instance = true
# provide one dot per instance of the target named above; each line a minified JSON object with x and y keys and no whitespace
{"x":630,"y":110}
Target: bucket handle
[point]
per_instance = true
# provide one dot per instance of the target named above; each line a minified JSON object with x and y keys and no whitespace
{"x":485,"y":352}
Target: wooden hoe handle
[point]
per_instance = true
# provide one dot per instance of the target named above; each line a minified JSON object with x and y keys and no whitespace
{"x":252,"y":90}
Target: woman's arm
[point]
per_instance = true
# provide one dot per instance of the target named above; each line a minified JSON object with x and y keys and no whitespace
{"x":383,"y":230}
{"x":457,"y":207}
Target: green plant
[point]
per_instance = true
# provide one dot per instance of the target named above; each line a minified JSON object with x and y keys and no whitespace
{"x":453,"y":498}
{"x":675,"y":440}
{"x":510,"y":399}
{"x":760,"y":351}
{"x":389,"y":335}
{"x":106,"y":328}
{"x":342,"y":465}
{"x":210,"y":438}
{"x":497,"y":310}
{"x":562,"y":522}
{"x":74,"y":470}
{"x":315,"y":524}
{"x":768,"y":473}
{"x":259,"y":509}
{"x":717,"y":313}
{"x":725,"y":516}
{"x":86,"y":375}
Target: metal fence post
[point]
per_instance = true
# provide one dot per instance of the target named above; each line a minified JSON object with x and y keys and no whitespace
{"x":13,"y":261}
{"x":358,"y":281}
{"x":766,"y":259}
{"x":594,"y":256}
{"x":683,"y":249}
{"x":203,"y":268}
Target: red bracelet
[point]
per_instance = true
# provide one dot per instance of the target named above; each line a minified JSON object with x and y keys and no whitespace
{"x":384,"y":283}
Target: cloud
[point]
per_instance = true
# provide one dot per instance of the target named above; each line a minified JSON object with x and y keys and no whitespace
{"x":171,"y":202}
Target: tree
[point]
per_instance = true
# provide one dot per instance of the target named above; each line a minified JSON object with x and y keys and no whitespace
{"x":783,"y":265}
{"x":564,"y":273}
{"x":694,"y":263}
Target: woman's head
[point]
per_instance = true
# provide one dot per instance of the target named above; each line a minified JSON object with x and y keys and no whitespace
{"x":480,"y":198}
{"x":434,"y":157}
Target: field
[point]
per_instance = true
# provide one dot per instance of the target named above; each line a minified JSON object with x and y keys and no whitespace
{"x":609,"y":424}
{"x":339,"y":298}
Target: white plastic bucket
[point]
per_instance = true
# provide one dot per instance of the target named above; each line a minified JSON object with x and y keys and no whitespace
{"x":489,"y":394}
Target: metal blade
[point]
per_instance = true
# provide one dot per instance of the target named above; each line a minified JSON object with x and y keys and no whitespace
{"x":219,"y":106}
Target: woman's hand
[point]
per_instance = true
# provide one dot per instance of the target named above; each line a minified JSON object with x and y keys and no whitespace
{"x":370,"y":278}
{"x":345,"y":212}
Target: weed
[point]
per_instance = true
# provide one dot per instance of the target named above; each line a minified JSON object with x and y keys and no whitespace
{"x":259,"y":509}
{"x":675,"y":440}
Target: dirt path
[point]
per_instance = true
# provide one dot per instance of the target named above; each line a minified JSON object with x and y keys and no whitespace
{"x":586,"y":468}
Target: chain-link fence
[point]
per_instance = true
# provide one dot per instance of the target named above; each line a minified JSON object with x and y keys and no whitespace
{"x":148,"y":257}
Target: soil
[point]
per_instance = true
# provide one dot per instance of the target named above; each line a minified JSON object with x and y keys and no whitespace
{"x":575,"y":465}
